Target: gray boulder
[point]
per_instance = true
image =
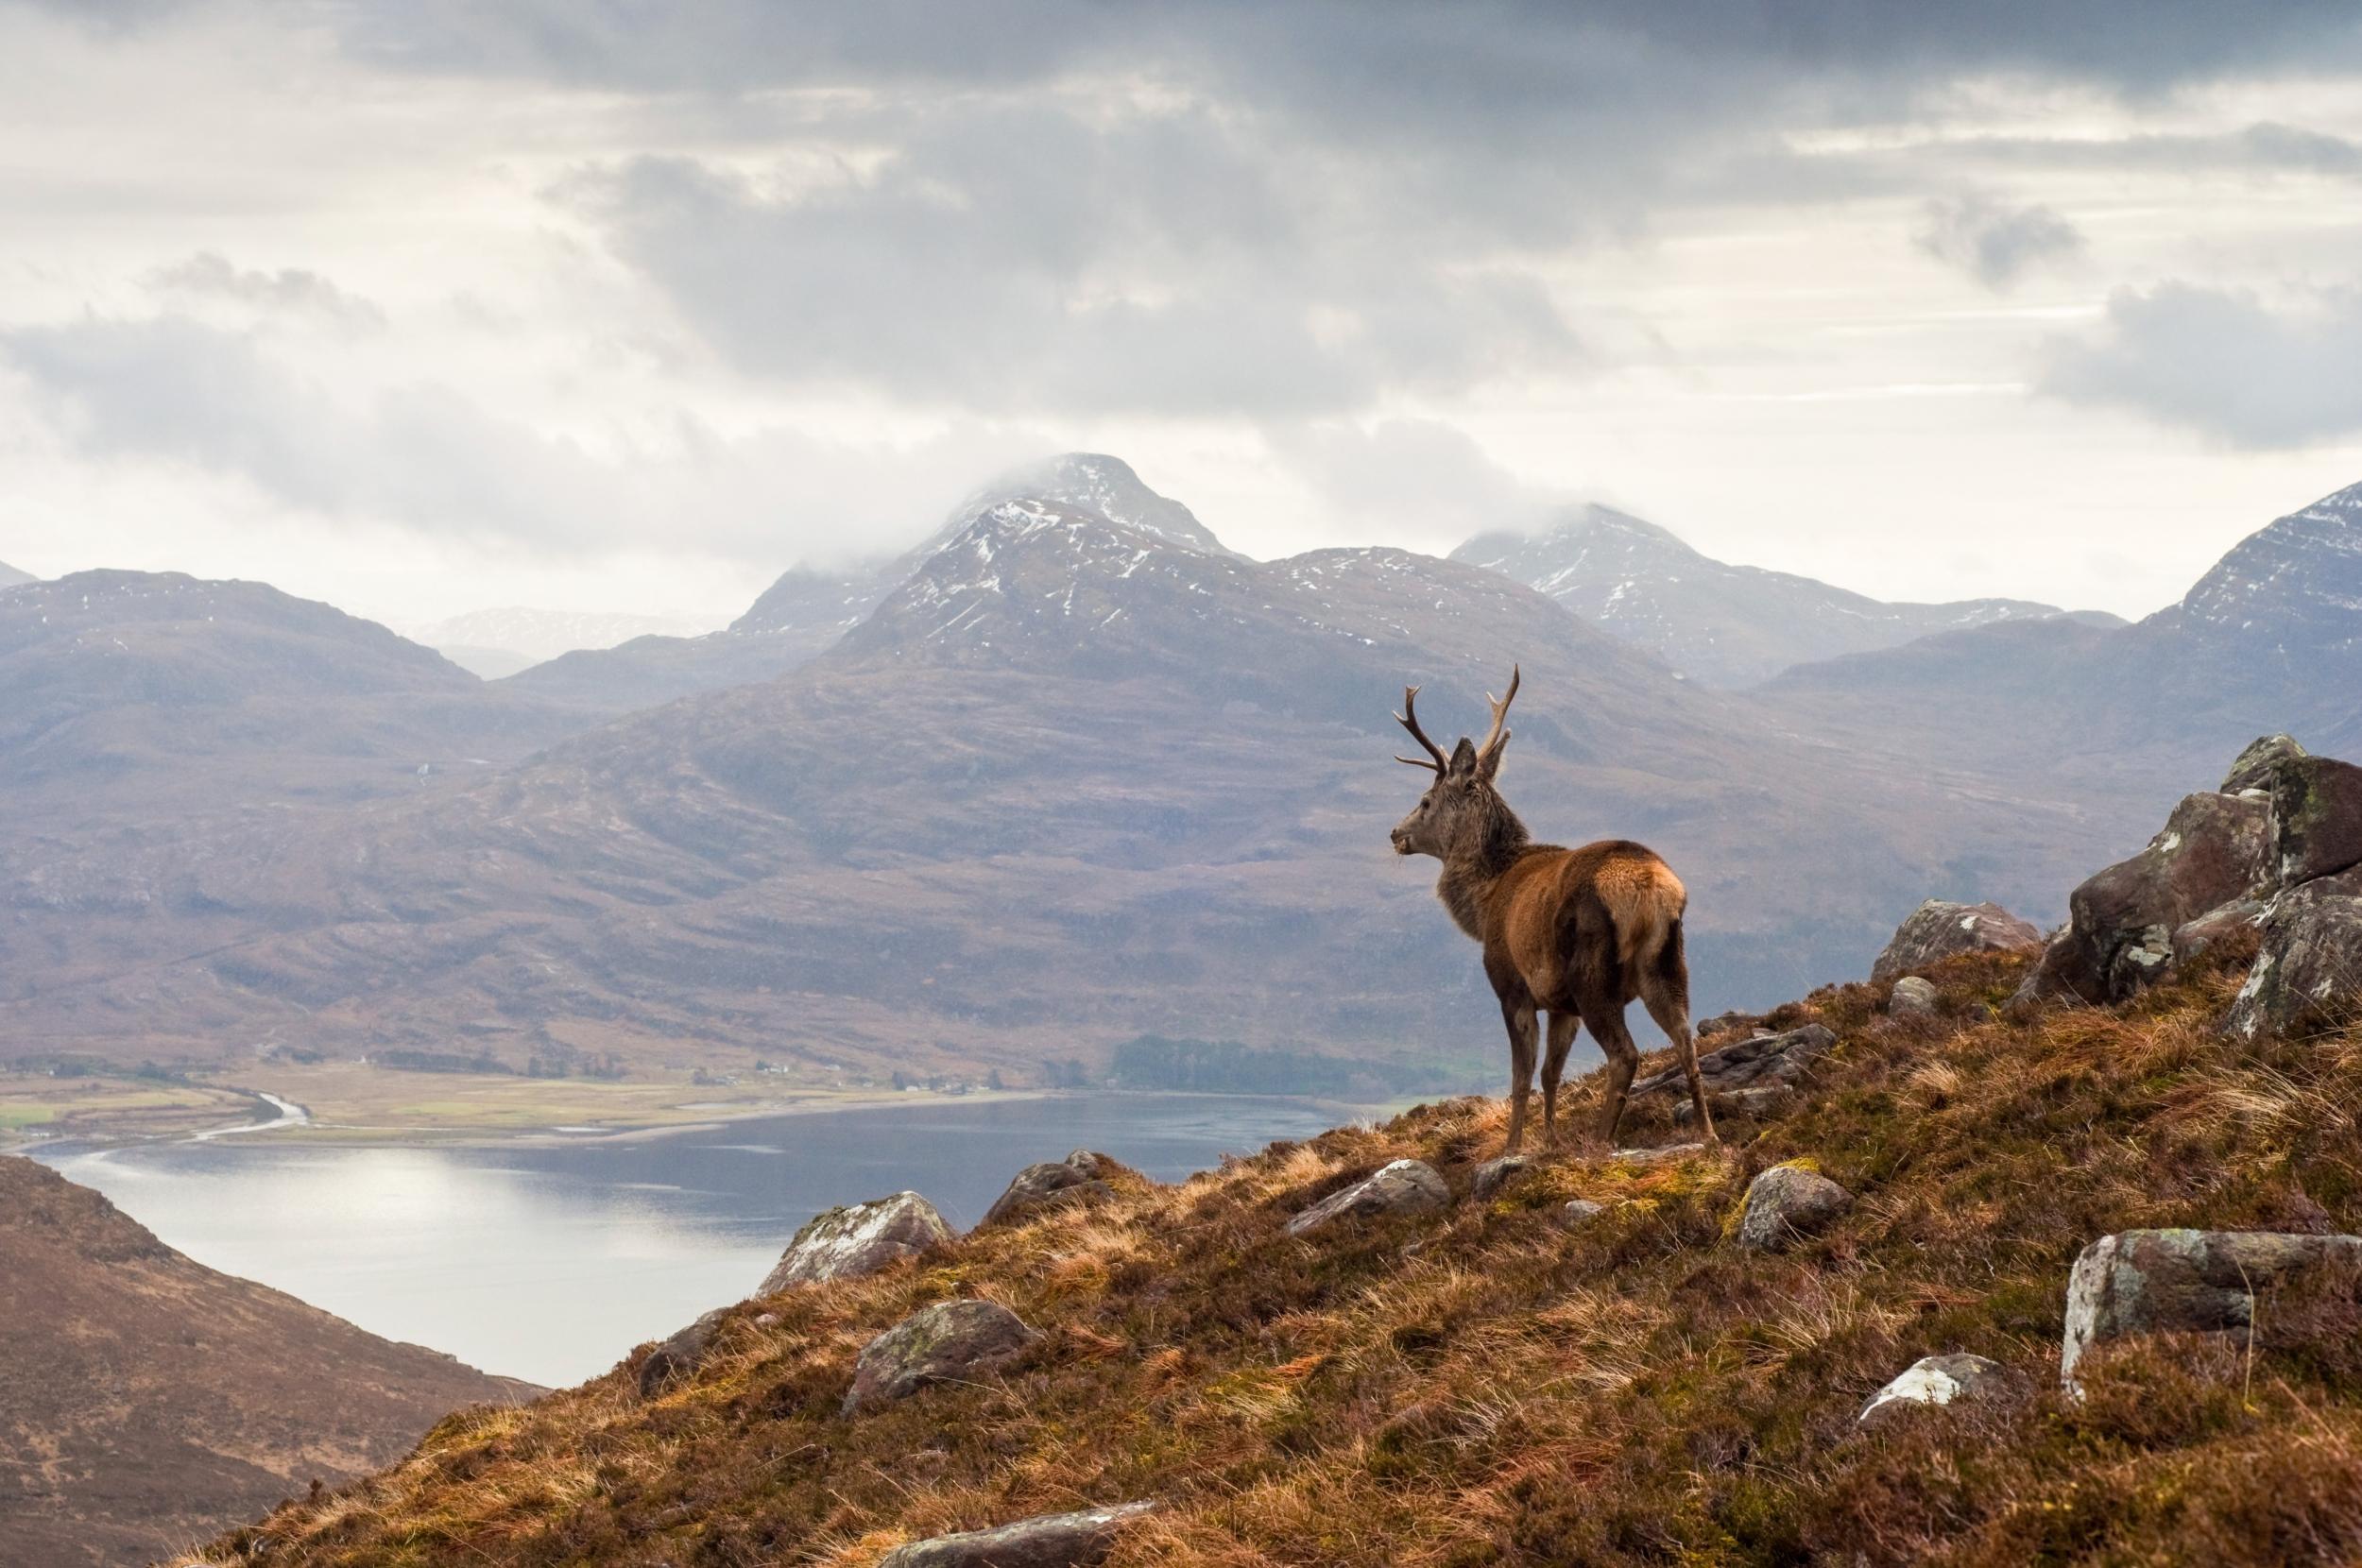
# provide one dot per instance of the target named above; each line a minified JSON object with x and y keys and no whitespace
{"x":1579,"y":1211}
{"x":2253,"y":769}
{"x":1404,"y":1186}
{"x":1051,"y":1541}
{"x":1936,"y":1380}
{"x":856,"y":1239}
{"x":2195,"y":937}
{"x":1665,"y":1154}
{"x":680,"y":1355}
{"x":1937,"y":930}
{"x":1076,"y":1179}
{"x":1764,"y":1099}
{"x":2308,"y":974}
{"x":2316,"y":814}
{"x":1787,"y":1202}
{"x":2215,"y":850}
{"x":1765,"y":1059}
{"x":1495,"y":1174}
{"x":2166,"y":1281}
{"x":950,"y":1340}
{"x":1912,"y":998}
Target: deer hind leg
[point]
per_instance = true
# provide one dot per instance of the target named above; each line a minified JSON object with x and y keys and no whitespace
{"x":1606,"y":1020}
{"x":1562,"y":1039}
{"x":1519,"y":1016}
{"x":1664,"y":991}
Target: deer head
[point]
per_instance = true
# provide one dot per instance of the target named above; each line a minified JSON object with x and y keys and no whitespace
{"x":1462,"y":811}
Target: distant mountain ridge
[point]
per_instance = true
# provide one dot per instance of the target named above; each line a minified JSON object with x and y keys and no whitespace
{"x":11,"y":576}
{"x":1724,"y":624}
{"x":501,"y":641}
{"x":145,"y":1399}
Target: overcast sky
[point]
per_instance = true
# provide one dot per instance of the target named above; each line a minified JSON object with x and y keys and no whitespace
{"x":420,"y":306}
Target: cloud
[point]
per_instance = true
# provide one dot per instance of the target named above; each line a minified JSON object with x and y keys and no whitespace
{"x":208,"y":276}
{"x":1419,"y":481}
{"x":1993,"y":242}
{"x":2222,"y":361}
{"x":425,"y":457}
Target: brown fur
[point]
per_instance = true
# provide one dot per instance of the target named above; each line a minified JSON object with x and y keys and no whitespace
{"x":1578,"y":933}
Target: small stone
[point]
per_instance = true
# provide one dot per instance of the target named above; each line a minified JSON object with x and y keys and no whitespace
{"x":680,"y":1355}
{"x":1786,"y":1202}
{"x":1580,"y":1211}
{"x":1657,"y":1156}
{"x":1764,"y":1099}
{"x":1404,"y":1186}
{"x":1912,"y":997}
{"x":1939,"y":1380}
{"x":2169,"y":1281}
{"x":1051,"y":1541}
{"x":947,"y":1340}
{"x":857,"y":1239}
{"x":1495,"y":1174}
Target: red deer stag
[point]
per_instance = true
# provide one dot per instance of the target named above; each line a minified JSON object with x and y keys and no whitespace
{"x":1576,"y":932}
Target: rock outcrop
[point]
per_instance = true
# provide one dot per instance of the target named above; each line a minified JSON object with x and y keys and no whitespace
{"x":1763,"y":1061}
{"x":681,"y":1354}
{"x":950,"y":1340}
{"x":2168,"y":1281}
{"x":1404,"y":1186}
{"x":2252,"y":769}
{"x":1939,"y":1380}
{"x":1937,"y":930}
{"x":1080,"y":1178}
{"x":2317,"y":818}
{"x":856,"y":1239}
{"x":1786,"y":1203}
{"x":2214,"y":849}
{"x":1050,"y":1541}
{"x":2308,"y":973}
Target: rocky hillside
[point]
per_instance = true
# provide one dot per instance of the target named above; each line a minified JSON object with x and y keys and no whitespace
{"x":145,"y":1400}
{"x":1724,"y":624}
{"x":1976,"y":1276}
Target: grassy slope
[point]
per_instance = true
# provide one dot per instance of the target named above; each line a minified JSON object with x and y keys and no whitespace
{"x":1482,"y":1386}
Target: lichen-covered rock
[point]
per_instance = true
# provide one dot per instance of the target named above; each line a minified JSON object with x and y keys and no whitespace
{"x":1579,"y":1211}
{"x":2195,"y":937}
{"x":1404,"y":1186}
{"x":2308,"y":973}
{"x":2215,"y":850}
{"x":1763,"y":1099}
{"x":1049,"y":1541}
{"x":2253,"y":769}
{"x":950,"y":1340}
{"x":1937,"y":930}
{"x":856,"y":1239}
{"x":680,"y":1355}
{"x":1495,"y":1174}
{"x":1765,"y":1059}
{"x":1912,"y":997}
{"x":2317,"y":816}
{"x":1938,"y":1380}
{"x":1787,"y":1202}
{"x":2168,"y":1281}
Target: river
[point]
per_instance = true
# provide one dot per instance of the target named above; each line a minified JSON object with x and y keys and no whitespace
{"x":549,"y":1261}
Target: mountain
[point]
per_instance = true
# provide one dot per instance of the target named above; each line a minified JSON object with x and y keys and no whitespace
{"x":496,"y":642}
{"x":1599,"y":1361}
{"x":145,"y":1400}
{"x":2268,"y":639}
{"x":1724,"y":626}
{"x":1069,"y":783}
{"x":10,"y":577}
{"x":176,"y":695}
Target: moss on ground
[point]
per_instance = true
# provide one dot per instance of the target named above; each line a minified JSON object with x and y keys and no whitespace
{"x":1485,"y":1386}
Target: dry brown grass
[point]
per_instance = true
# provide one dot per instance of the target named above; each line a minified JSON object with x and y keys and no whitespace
{"x":1482,"y":1386}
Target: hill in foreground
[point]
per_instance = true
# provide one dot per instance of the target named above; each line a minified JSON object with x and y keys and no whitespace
{"x":145,"y":1400}
{"x":1588,"y":1363}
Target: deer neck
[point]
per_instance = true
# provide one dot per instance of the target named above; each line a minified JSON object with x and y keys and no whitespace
{"x":1472,"y":873}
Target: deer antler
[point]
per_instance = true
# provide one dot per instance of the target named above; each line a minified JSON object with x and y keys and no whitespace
{"x":1498,"y":737}
{"x":1409,"y":719}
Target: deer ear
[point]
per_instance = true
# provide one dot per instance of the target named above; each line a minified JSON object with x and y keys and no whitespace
{"x":1491,"y":765}
{"x":1464,"y":758}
